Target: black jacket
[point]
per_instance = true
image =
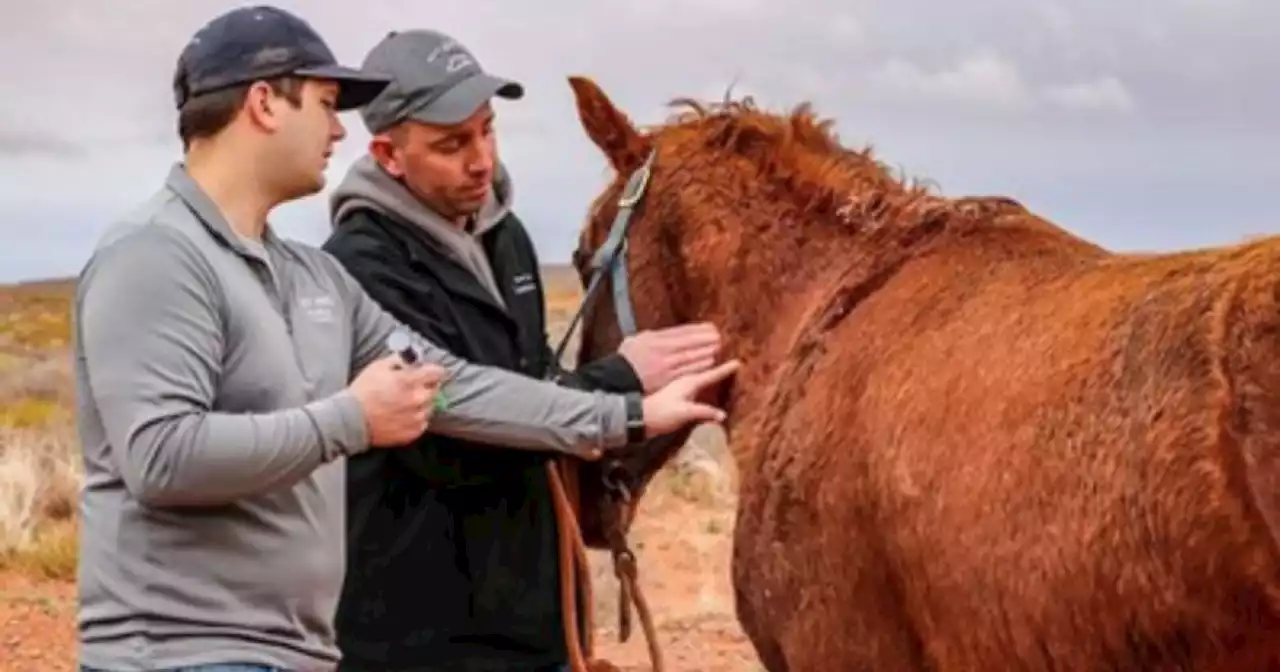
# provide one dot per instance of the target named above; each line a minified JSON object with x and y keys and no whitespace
{"x":452,"y":561}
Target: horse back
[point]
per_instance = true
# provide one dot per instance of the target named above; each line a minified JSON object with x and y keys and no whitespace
{"x":1068,"y":461}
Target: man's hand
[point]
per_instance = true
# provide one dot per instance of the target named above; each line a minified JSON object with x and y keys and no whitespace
{"x":662,"y":355}
{"x":673,"y":407}
{"x":397,"y":399}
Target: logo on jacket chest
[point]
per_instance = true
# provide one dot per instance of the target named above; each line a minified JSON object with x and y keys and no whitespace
{"x":320,"y":309}
{"x":523,"y":283}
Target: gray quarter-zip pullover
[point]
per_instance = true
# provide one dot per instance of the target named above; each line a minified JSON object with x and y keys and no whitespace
{"x":213,"y":411}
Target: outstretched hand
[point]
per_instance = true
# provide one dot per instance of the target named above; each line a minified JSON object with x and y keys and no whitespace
{"x":674,"y":406}
{"x":660,"y":356}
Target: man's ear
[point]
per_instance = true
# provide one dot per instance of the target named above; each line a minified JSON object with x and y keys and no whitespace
{"x":262,"y":106}
{"x":382,"y":147}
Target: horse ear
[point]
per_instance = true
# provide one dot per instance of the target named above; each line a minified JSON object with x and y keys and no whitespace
{"x":608,"y":127}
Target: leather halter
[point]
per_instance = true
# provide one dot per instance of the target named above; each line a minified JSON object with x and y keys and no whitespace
{"x":610,"y":260}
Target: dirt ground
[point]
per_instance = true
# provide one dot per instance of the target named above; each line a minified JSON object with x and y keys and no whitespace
{"x":683,"y":548}
{"x":681,"y":538}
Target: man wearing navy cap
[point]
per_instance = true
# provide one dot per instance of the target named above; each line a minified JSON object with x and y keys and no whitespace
{"x":223,"y":376}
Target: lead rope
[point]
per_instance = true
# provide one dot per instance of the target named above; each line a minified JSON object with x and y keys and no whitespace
{"x":574,"y":569}
{"x":562,"y":473}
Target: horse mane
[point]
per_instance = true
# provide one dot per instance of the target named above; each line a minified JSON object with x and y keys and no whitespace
{"x":801,"y":153}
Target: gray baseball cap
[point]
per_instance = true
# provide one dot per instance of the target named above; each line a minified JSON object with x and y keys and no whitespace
{"x":434,"y":79}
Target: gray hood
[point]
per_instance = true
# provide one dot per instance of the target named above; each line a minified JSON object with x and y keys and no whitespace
{"x":367,"y":185}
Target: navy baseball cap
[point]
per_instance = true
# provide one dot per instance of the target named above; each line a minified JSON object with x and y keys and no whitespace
{"x":263,"y":42}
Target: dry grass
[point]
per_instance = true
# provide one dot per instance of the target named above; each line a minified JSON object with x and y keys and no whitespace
{"x":34,"y":317}
{"x":681,"y":539}
{"x":563,"y":292}
{"x":40,"y":469}
{"x":39,"y":462}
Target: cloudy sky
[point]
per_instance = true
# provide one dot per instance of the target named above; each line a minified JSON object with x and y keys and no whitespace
{"x":1142,"y":124}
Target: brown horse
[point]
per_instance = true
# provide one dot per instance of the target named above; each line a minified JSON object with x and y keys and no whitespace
{"x":966,"y":439}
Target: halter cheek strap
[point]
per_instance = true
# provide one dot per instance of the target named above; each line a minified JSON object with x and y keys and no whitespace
{"x":609,"y":260}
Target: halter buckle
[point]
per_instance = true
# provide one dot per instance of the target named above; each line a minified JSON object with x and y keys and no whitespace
{"x":639,"y":181}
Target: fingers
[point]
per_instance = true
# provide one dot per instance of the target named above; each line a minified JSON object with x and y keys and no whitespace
{"x":390,"y":362}
{"x":696,"y":413}
{"x":416,"y":388}
{"x":687,"y":353}
{"x":671,"y":353}
{"x":698,"y":381}
{"x":423,"y":396}
{"x":426,"y":374}
{"x":691,"y":368}
{"x":421,"y":400}
{"x":689,"y":329}
{"x":694,"y":358}
{"x":419,"y":376}
{"x":690,"y":336}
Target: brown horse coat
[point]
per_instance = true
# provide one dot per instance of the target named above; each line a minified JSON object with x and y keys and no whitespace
{"x":966,"y":439}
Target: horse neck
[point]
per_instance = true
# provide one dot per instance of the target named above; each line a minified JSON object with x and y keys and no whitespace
{"x":776,"y":283}
{"x":757,"y":284}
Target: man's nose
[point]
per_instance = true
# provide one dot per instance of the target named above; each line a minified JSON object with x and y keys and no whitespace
{"x":481,"y":161}
{"x":336,"y":130}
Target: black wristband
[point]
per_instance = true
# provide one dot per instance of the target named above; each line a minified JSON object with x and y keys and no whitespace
{"x":635,"y":418}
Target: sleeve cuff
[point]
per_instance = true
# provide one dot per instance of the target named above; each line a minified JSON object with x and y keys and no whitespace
{"x":613,"y":420}
{"x":341,"y":423}
{"x":611,"y":373}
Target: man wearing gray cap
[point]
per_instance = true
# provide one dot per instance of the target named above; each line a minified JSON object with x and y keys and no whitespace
{"x":452,"y":559}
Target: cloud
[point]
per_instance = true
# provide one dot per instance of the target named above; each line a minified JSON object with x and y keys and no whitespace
{"x":845,"y":27}
{"x":698,"y":10}
{"x":15,"y":143}
{"x":1105,"y":93}
{"x":982,"y":79}
{"x":999,"y":96}
{"x":995,"y":83}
